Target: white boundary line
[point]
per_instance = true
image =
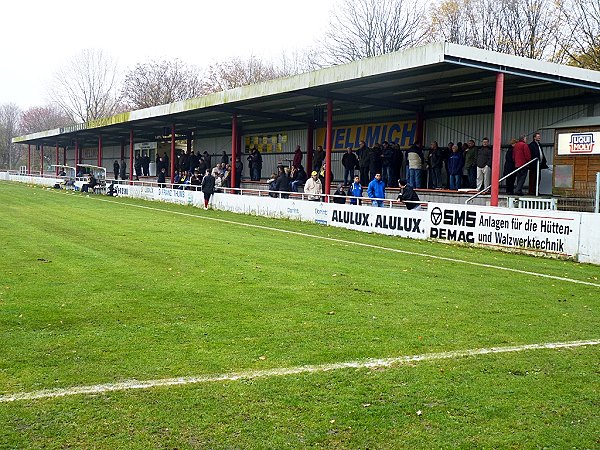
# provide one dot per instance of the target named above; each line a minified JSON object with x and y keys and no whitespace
{"x":361,"y":244}
{"x":284,"y":371}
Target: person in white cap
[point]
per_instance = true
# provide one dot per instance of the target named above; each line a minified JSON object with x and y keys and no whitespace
{"x":313,"y":187}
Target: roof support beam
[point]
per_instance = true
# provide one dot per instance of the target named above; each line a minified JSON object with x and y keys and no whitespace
{"x":359,"y":99}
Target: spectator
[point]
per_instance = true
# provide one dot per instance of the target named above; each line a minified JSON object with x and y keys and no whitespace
{"x":298,"y":177}
{"x":161,"y":177}
{"x":436,"y":160}
{"x":123,"y":169}
{"x":521,"y":156}
{"x":376,"y":191}
{"x":349,"y":161}
{"x":313,"y":187}
{"x":255,"y":162}
{"x":116,"y":169}
{"x":137,"y":164}
{"x":145,"y":164}
{"x":376,"y":160}
{"x":415,"y":159}
{"x":456,"y":163}
{"x":364,"y":156}
{"x":239,"y":169}
{"x":340,"y":194}
{"x":283,"y":182}
{"x":484,"y":165}
{"x":318,"y":158}
{"x":271,"y":185}
{"x":408,"y":196}
{"x":535,"y":148}
{"x":356,"y":191}
{"x":387,"y":159}
{"x":208,"y":187}
{"x":509,"y":166}
{"x":297,"y":157}
{"x":224,"y":158}
{"x":470,"y":155}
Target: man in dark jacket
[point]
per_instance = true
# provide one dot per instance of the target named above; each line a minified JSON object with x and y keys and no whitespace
{"x":364,"y":157}
{"x":318,"y":158}
{"x":535,"y":148}
{"x":282,"y":183}
{"x":349,"y":161}
{"x":116,"y":169}
{"x":408,"y":196}
{"x":208,"y":187}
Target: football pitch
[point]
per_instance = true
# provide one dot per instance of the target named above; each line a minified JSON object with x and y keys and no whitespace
{"x":134,"y":324}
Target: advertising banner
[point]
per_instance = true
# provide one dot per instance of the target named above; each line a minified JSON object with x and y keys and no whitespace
{"x":400,"y":132}
{"x":572,"y":144}
{"x":550,"y":232}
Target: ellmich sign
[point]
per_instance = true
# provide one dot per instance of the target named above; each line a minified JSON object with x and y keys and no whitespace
{"x":584,"y":143}
{"x":401,"y":133}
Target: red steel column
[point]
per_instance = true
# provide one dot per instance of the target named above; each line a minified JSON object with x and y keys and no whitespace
{"x":42,"y":160}
{"x":328,"y":141}
{"x":172,"y":153}
{"x":99,"y":150}
{"x":309,"y":147}
{"x":130,"y":155}
{"x":497,"y":138}
{"x":234,"y":140}
{"x":28,"y":159}
{"x":57,"y":158}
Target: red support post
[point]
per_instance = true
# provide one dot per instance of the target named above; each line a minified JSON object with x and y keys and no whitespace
{"x":42,"y":160}
{"x":57,"y":159}
{"x":130,"y":155}
{"x":497,"y":138}
{"x":309,"y":147}
{"x":234,"y":140}
{"x":28,"y":159}
{"x":419,"y":133}
{"x":172,"y":164}
{"x":328,"y":142}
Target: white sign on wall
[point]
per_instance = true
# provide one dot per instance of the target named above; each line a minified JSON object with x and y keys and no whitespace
{"x":584,"y":143}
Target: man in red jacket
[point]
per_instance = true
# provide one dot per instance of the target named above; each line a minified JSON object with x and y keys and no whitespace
{"x":521,"y":156}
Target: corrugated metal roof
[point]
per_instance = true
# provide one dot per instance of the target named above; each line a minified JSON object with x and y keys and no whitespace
{"x":439,"y":79}
{"x":577,"y":123}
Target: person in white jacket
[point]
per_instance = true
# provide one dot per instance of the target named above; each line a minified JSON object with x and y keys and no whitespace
{"x":313,"y":187}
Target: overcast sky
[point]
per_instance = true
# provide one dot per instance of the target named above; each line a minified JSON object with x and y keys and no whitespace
{"x":38,"y":36}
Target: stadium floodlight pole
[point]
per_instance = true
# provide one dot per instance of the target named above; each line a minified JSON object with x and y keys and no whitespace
{"x":131,"y":155}
{"x":309,"y":147}
{"x":28,"y":159}
{"x":57,"y":158}
{"x":42,"y":160}
{"x":496,"y":149}
{"x":172,"y":153}
{"x":328,"y":148}
{"x":234,"y":140}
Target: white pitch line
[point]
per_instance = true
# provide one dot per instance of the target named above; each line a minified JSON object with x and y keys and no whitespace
{"x":361,"y":244}
{"x":250,"y":374}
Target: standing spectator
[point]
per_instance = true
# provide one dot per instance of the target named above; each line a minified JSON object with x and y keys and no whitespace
{"x":208,"y":187}
{"x":484,"y":165}
{"x":408,"y":196}
{"x":255,"y":162}
{"x":283,"y":182}
{"x":535,"y":148}
{"x":376,"y":191}
{"x":436,"y":161}
{"x":470,"y":155}
{"x":161,"y":180}
{"x":137,"y":164}
{"x":239,"y":169}
{"x":456,"y":163}
{"x":415,"y":158}
{"x":318,"y":158}
{"x":521,"y":156}
{"x":340,"y":193}
{"x":166,"y":162}
{"x":356,"y":191}
{"x":297,"y":157}
{"x":349,"y":161}
{"x":123,"y":169}
{"x":509,"y":166}
{"x":116,"y":169}
{"x":364,"y":156}
{"x":313,"y":187}
{"x":375,"y":160}
{"x":397,"y":161}
{"x":207,"y":159}
{"x":387,"y":163}
{"x":146,"y":164}
{"x":224,"y":158}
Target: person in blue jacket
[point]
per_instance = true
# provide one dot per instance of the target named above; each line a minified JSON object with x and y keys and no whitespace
{"x":356,"y":191}
{"x":376,"y":191}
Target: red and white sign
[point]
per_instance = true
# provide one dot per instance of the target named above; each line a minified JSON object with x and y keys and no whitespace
{"x":584,"y":143}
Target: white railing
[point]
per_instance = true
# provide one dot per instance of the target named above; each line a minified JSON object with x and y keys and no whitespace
{"x":532,"y":203}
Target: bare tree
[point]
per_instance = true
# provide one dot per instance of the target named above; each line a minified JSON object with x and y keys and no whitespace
{"x":583,"y":22}
{"x":43,"y":118}
{"x":238,"y":72}
{"x":160,"y":82}
{"x":87,"y":87}
{"x":363,"y":28}
{"x":529,"y":28}
{"x":10,"y":154}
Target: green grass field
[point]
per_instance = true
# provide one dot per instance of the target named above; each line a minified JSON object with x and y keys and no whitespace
{"x":95,"y":290}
